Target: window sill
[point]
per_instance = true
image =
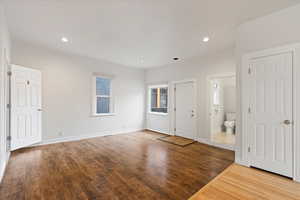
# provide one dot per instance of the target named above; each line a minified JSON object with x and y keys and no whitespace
{"x":157,"y":113}
{"x":103,"y":115}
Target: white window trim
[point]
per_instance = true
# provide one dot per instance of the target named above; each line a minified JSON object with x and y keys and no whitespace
{"x":149,"y":99}
{"x":94,"y":96}
{"x":157,"y":113}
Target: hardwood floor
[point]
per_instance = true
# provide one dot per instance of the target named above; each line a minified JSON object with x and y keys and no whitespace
{"x":243,"y":183}
{"x":223,"y":138}
{"x":130,"y":166}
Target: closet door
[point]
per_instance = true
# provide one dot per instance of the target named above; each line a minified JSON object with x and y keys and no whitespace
{"x":271,"y":113}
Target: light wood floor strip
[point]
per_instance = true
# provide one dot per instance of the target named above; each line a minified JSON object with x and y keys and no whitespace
{"x":242,"y":183}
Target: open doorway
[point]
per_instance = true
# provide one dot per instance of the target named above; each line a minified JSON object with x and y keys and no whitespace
{"x":222,"y":91}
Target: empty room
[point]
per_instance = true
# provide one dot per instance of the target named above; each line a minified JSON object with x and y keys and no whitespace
{"x":154,"y":100}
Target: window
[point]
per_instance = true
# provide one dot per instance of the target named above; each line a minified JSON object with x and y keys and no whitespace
{"x":102,"y":99}
{"x":158,"y":99}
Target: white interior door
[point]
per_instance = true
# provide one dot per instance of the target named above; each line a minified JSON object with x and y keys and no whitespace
{"x":271,"y":113}
{"x":25,"y":107}
{"x":185,"y":123}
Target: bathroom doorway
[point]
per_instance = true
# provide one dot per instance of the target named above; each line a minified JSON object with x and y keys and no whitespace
{"x":222,"y":110}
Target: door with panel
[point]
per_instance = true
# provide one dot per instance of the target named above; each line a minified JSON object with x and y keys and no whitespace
{"x":271,"y":113}
{"x":185,"y":112}
{"x":25,"y":107}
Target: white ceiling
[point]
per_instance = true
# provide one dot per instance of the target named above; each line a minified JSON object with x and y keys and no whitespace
{"x":137,"y":33}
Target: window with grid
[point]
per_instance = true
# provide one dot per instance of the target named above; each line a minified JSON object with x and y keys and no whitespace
{"x":103,"y":96}
{"x":159,"y":99}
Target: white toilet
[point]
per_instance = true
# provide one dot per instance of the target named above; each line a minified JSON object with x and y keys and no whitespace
{"x":230,"y":123}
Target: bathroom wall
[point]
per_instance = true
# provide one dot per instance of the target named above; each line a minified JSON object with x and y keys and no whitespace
{"x":229,"y":94}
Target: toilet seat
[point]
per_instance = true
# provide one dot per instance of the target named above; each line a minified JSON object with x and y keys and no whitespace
{"x":229,"y":124}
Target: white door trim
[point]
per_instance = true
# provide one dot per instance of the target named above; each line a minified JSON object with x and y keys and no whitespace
{"x":295,"y":50}
{"x":209,"y":100}
{"x":172,"y":105}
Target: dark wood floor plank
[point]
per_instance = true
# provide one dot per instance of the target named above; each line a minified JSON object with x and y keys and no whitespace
{"x":129,"y":166}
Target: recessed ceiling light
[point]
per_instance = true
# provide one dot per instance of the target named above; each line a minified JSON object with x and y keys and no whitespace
{"x":205,"y":39}
{"x":64,"y":39}
{"x":175,"y":58}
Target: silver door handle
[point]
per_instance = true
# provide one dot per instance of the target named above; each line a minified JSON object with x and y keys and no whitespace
{"x":287,"y":122}
{"x":39,"y":110}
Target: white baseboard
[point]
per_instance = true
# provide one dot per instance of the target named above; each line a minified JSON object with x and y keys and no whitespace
{"x":3,"y":167}
{"x":223,"y":146}
{"x":241,"y":162}
{"x":159,"y":131}
{"x":86,"y":136}
{"x":297,"y":179}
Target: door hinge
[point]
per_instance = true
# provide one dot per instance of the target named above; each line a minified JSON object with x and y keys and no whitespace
{"x":28,"y":82}
{"x":9,"y":73}
{"x":249,"y":70}
{"x":249,"y":149}
{"x":175,"y":129}
{"x":175,"y":109}
{"x":175,"y":89}
{"x":8,"y":138}
{"x":8,"y":106}
{"x":249,"y":110}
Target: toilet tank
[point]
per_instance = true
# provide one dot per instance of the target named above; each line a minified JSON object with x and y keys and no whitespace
{"x":230,"y":116}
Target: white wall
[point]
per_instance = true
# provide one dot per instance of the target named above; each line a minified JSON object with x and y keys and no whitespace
{"x":4,"y":47}
{"x":66,"y":93}
{"x":277,"y":29}
{"x":198,"y":68}
{"x":273,"y":30}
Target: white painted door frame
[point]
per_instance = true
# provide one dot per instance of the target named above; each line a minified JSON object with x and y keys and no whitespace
{"x":172,"y":105}
{"x":6,"y":97}
{"x":209,"y":105}
{"x":244,"y":95}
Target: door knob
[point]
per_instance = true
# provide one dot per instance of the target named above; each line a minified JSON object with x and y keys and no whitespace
{"x":39,"y":109}
{"x":287,"y":122}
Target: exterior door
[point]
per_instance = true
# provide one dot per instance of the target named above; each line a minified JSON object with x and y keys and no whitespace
{"x":25,"y":107}
{"x":271,"y":113}
{"x":185,"y":124}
